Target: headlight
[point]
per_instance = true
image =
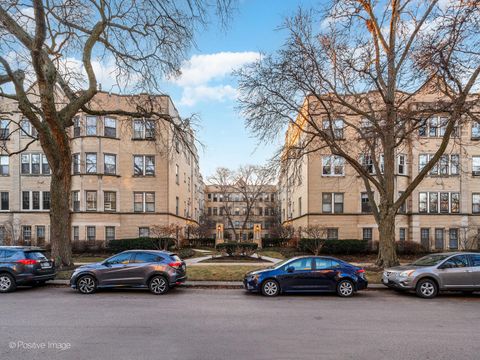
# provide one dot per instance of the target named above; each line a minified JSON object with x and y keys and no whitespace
{"x":407,"y":273}
{"x":254,"y":277}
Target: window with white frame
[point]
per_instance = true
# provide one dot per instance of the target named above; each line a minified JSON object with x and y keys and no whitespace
{"x":439,"y":202}
{"x":91,"y":233}
{"x":4,"y":200}
{"x":367,"y":234}
{"x":35,"y":200}
{"x":143,"y":129}
{"x":435,"y":127}
{"x":40,"y":233}
{"x":76,"y":233}
{"x":144,"y":201}
{"x":4,"y":165}
{"x":91,"y":200}
{"x":334,"y":128}
{"x":34,"y":164}
{"x":91,"y":126}
{"x":109,"y":233}
{"x":402,"y":164}
{"x":46,"y":200}
{"x":476,"y":203}
{"x":365,"y":203}
{"x":333,"y":165}
{"x":446,"y":165}
{"x":143,"y":232}
{"x":77,"y":126}
{"x":91,"y":163}
{"x":144,"y":165}
{"x":367,"y":163}
{"x":76,"y":163}
{"x":4,"y":130}
{"x":27,"y":233}
{"x":109,"y":201}
{"x":332,"y":202}
{"x":475,"y":130}
{"x":402,"y":234}
{"x":476,"y":165}
{"x":27,"y":130}
{"x":110,"y":164}
{"x":332,"y":233}
{"x":76,"y":200}
{"x":109,"y":127}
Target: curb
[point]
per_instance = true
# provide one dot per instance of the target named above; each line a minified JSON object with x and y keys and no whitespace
{"x":209,"y":284}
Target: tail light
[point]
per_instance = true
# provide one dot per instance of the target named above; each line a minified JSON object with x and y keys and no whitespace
{"x":175,"y":264}
{"x":27,"y":262}
{"x":360,"y":271}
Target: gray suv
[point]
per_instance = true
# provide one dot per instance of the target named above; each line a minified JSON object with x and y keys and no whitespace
{"x":459,"y":271}
{"x":156,"y":270}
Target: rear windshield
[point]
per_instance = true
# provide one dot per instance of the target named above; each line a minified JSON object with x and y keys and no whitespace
{"x":35,"y":255}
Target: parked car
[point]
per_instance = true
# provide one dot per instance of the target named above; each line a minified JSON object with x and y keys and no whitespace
{"x":436,"y":272}
{"x":307,"y":274}
{"x":24,"y":265}
{"x":156,"y":270}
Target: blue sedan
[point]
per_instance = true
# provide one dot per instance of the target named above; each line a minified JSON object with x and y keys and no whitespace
{"x":307,"y":274}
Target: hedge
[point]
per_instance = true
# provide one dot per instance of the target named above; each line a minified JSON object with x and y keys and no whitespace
{"x":344,"y":247}
{"x":140,"y":243}
{"x":203,"y":242}
{"x":274,"y":242}
{"x":237,"y":248}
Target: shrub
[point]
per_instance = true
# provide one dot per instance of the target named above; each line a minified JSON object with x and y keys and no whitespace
{"x":344,"y":247}
{"x":410,"y":248}
{"x":274,"y":242}
{"x":141,"y":243}
{"x":237,"y":248}
{"x":185,"y":253}
{"x":199,"y":243}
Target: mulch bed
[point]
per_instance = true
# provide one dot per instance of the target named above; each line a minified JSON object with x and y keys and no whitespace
{"x":236,"y":259}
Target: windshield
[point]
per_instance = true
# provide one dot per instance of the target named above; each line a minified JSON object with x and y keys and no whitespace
{"x":430,"y":260}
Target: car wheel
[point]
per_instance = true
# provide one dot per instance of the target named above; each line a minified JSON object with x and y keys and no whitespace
{"x":158,"y":285}
{"x":345,"y":288}
{"x":270,"y":288}
{"x":426,"y":289}
{"x":7,"y":283}
{"x":87,"y":284}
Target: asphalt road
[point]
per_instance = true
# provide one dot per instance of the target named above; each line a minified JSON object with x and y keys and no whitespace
{"x":57,"y":323}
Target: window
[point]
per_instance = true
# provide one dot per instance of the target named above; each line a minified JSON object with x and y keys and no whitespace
{"x":77,"y":127}
{"x":422,"y":161}
{"x":334,"y":128}
{"x":475,"y":203}
{"x":402,"y":234}
{"x":439,"y":238}
{"x":177,"y":175}
{"x":453,"y":239}
{"x":177,"y":207}
{"x":146,"y":258}
{"x":475,"y":130}
{"x":76,"y":233}
{"x":46,"y":200}
{"x":333,"y":165}
{"x":403,"y":208}
{"x":144,"y":165}
{"x":4,"y":132}
{"x":475,"y":259}
{"x":476,"y":165}
{"x":2,"y":237}
{"x":143,"y":129}
{"x":368,"y":234}
{"x":91,"y":126}
{"x":433,"y":125}
{"x":459,"y":261}
{"x":4,"y":200}
{"x":366,"y":206}
{"x":28,"y":131}
{"x":27,"y":233}
{"x":332,"y":233}
{"x":91,"y":233}
{"x":454,"y":164}
{"x":425,"y":237}
{"x":109,"y":233}
{"x":143,"y":232}
{"x":76,"y":200}
{"x":25,"y":200}
{"x":4,"y":165}
{"x":45,"y":166}
{"x":301,"y":264}
{"x":402,"y":164}
{"x":110,"y":127}
{"x":337,"y":205}
{"x":299,"y":206}
{"x":446,"y":165}
{"x":91,"y":198}
{"x":110,"y":201}
{"x":34,"y":164}
{"x":36,"y":200}
{"x":76,"y":163}
{"x":367,"y":163}
{"x":144,"y":201}
{"x":91,"y":163}
{"x":110,"y":164}
{"x":40,"y":234}
{"x":443,"y":202}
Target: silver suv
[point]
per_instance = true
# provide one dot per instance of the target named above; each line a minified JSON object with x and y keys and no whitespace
{"x":459,"y":271}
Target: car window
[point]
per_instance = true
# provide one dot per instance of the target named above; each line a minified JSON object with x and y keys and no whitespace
{"x":2,"y":254}
{"x":456,"y":262}
{"x":35,"y":255}
{"x":12,"y":255}
{"x":175,"y":258}
{"x":301,"y":264}
{"x":322,"y":264}
{"x":475,"y":259}
{"x":120,"y":259}
{"x":146,"y":258}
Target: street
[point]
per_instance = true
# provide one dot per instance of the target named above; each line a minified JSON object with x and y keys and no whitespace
{"x":58,"y":323}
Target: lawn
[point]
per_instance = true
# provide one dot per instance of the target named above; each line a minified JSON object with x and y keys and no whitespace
{"x":88,"y":259}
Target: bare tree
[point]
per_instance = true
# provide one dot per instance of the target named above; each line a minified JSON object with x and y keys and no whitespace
{"x":282,"y":232}
{"x":47,"y":54}
{"x":163,"y":232}
{"x":241,"y":189}
{"x":367,"y":64}
{"x":316,"y":235}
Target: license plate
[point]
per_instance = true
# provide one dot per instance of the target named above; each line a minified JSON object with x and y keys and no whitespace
{"x":46,"y":265}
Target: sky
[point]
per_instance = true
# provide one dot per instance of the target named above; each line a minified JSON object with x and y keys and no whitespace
{"x":206,"y":87}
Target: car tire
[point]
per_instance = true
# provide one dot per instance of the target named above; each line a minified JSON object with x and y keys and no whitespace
{"x":345,"y":288}
{"x":158,"y":285}
{"x":426,"y":289}
{"x":7,"y":283}
{"x":87,"y":284}
{"x":270,"y":288}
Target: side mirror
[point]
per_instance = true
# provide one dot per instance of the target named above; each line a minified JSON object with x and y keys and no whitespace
{"x":290,"y":269}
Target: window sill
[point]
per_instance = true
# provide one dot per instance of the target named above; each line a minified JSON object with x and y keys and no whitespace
{"x":95,"y":136}
{"x":143,"y":176}
{"x":143,"y":139}
{"x":96,"y":174}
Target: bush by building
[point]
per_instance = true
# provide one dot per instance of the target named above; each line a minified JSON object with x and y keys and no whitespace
{"x":237,"y":248}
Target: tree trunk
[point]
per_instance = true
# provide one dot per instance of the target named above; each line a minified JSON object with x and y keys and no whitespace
{"x":387,"y":254}
{"x":60,"y":217}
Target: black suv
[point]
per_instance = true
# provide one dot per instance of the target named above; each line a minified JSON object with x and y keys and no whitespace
{"x":24,"y":265}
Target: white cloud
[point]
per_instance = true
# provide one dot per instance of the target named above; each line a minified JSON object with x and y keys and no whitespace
{"x":206,"y":77}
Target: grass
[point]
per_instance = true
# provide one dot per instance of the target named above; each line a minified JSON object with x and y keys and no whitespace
{"x":219,"y":273}
{"x":88,"y":259}
{"x":64,"y":275}
{"x":374,"y":277}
